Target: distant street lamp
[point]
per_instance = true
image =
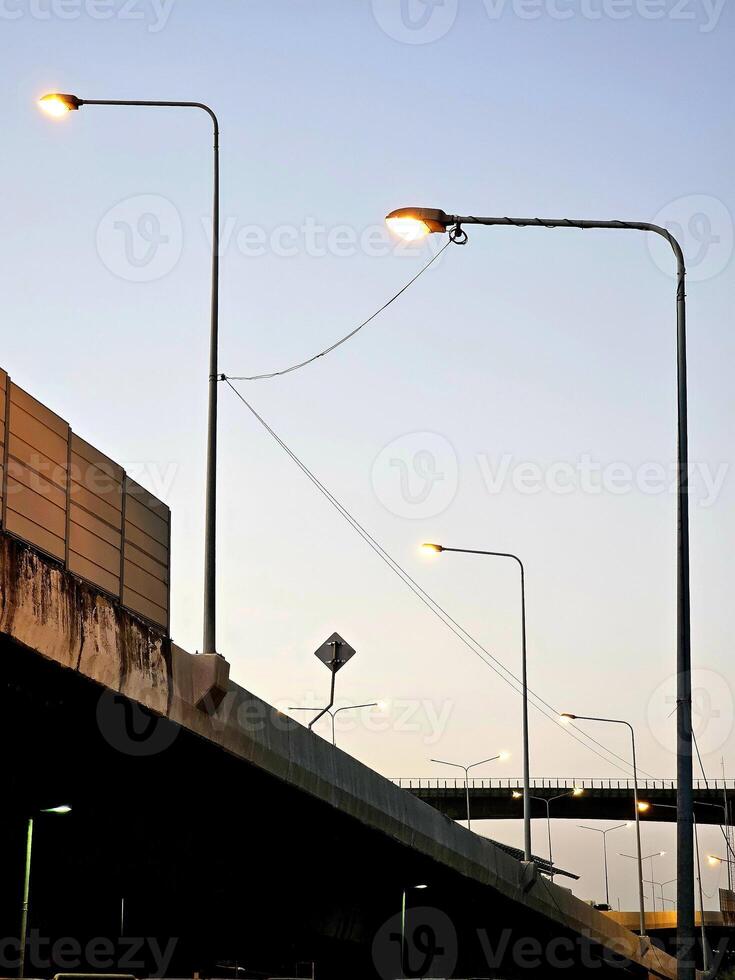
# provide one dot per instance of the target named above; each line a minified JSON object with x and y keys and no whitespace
{"x":404,"y":965}
{"x":706,"y":952}
{"x":59,"y":104}
{"x":598,"y":830}
{"x":577,"y":791}
{"x":439,"y":549}
{"x":672,"y":881}
{"x":413,"y":223}
{"x":647,"y":857}
{"x":336,"y":711}
{"x":664,"y":899}
{"x":58,"y":811}
{"x":466,"y":769}
{"x":725,"y":810}
{"x":714,"y":859}
{"x":565,"y":718}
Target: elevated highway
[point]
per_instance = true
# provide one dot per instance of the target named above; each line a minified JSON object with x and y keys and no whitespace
{"x":231,"y":833}
{"x":601,"y":799}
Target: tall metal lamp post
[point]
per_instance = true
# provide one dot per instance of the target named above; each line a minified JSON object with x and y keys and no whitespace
{"x":599,"y":830}
{"x":638,"y":807}
{"x":58,"y":811}
{"x":466,"y":770}
{"x":440,"y":549}
{"x":59,"y":105}
{"x":411,"y":223}
{"x":577,"y":791}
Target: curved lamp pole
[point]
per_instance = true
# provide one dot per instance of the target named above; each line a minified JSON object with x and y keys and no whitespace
{"x":439,"y":549}
{"x":59,"y":105}
{"x":598,"y":830}
{"x":566,"y":717}
{"x":58,"y":811}
{"x":466,"y":770}
{"x":412,"y":223}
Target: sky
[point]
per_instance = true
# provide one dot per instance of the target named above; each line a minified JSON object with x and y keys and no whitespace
{"x":520,"y":396}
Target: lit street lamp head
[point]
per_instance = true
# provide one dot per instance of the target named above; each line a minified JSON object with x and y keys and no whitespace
{"x":412,"y":224}
{"x":58,"y":104}
{"x":60,"y":810}
{"x":431,"y":549}
{"x":565,"y":717}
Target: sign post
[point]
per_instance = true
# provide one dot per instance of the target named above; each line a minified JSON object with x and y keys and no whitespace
{"x":334,"y":654}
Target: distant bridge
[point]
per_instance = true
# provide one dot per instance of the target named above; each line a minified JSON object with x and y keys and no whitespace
{"x":601,"y":799}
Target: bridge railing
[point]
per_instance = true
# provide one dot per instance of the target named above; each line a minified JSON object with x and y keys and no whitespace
{"x":510,"y":784}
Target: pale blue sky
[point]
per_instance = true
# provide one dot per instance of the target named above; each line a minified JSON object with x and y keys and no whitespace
{"x":537,"y":347}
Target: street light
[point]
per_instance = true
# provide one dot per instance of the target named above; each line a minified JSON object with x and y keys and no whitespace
{"x":706,"y":952}
{"x":61,"y":810}
{"x":725,"y":808}
{"x":664,"y":898}
{"x":671,"y":882}
{"x":647,"y":857}
{"x":576,"y":791}
{"x":404,"y":970}
{"x":59,"y":104}
{"x":566,"y":717}
{"x":439,"y":549}
{"x":336,"y":711}
{"x":598,"y":830}
{"x":422,"y":221}
{"x":466,"y":769}
{"x":713,"y":859}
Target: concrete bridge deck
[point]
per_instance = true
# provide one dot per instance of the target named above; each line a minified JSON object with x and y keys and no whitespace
{"x":602,"y":799}
{"x":162,"y":757}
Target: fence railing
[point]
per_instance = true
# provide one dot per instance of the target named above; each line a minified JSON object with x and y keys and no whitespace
{"x":423,"y":782}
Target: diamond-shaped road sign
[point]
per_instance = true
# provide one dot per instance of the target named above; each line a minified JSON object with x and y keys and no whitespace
{"x":335,"y":652}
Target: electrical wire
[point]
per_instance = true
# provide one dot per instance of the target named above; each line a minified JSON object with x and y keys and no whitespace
{"x":724,"y":833}
{"x":351,"y":334}
{"x":462,"y":634}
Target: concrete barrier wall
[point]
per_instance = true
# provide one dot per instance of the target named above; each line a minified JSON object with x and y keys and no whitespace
{"x":72,"y":502}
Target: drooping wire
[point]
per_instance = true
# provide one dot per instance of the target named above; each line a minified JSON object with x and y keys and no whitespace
{"x":351,"y":334}
{"x":459,"y":631}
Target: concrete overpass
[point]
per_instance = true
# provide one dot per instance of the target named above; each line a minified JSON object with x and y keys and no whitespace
{"x":602,"y":799}
{"x":232,"y":833}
